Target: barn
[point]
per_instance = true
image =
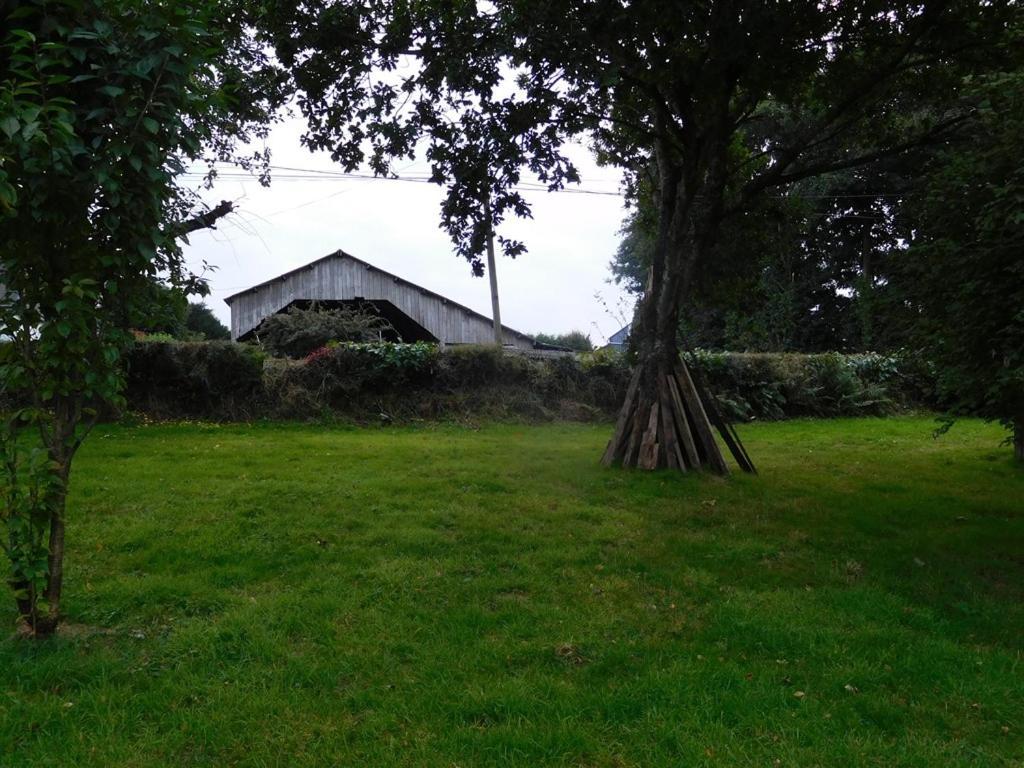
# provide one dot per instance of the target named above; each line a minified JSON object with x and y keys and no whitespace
{"x":340,"y":279}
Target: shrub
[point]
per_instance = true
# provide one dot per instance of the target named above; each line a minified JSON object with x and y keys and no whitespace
{"x":214,"y":379}
{"x":775,"y":386}
{"x":480,"y":365}
{"x":575,"y":340}
{"x":298,"y":331}
{"x":418,"y":381}
{"x":340,"y":376}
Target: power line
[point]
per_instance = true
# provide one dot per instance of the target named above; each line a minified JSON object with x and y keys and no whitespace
{"x":523,"y":187}
{"x":315,"y":174}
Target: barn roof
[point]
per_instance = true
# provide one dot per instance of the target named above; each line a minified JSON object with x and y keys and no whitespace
{"x":340,"y":254}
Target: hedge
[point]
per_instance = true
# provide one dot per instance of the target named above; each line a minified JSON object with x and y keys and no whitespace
{"x":778,"y":386}
{"x":382,"y":381}
{"x":403,"y":381}
{"x":200,"y":379}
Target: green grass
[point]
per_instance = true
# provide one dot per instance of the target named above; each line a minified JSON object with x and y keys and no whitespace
{"x":282,"y":595}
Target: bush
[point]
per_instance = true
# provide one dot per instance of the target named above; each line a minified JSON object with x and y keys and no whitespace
{"x":215,"y":379}
{"x":575,"y":340}
{"x":775,"y":386}
{"x":337,"y":376}
{"x":370,"y":381}
{"x":298,"y":332}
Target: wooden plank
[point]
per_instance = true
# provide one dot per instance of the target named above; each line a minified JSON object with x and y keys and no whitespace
{"x":648,"y":458}
{"x":729,"y":437}
{"x":616,"y":446}
{"x":673,"y":456}
{"x":725,"y":429}
{"x":635,"y":436}
{"x":616,"y":449}
{"x":682,"y":425}
{"x":701,"y":424}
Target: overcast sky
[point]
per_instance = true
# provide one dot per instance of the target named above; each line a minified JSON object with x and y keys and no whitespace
{"x":394,"y":225}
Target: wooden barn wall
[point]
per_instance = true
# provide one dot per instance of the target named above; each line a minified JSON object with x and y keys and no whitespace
{"x":341,"y":278}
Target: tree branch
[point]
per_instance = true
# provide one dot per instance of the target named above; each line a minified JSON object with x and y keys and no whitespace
{"x":205,"y":220}
{"x":768,"y":180}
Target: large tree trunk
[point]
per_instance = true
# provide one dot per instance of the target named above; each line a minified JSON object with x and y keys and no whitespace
{"x":664,"y":421}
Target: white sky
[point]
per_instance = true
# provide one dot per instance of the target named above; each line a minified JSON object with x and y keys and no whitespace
{"x":395,"y":226}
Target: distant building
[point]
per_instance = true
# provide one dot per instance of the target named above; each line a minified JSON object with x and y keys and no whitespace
{"x":619,"y":339}
{"x":340,"y":279}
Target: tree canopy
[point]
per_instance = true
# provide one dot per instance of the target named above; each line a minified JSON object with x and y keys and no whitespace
{"x":103,"y":105}
{"x":962,"y":279}
{"x":707,"y":105}
{"x":201,"y":322}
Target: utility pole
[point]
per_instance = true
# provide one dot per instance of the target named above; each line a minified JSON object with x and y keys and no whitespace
{"x":495,"y":309}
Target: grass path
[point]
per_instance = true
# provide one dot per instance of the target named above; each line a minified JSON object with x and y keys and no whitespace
{"x":283,"y":595}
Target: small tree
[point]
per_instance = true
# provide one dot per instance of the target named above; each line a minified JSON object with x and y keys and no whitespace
{"x":200,"y":321}
{"x":102,"y":105}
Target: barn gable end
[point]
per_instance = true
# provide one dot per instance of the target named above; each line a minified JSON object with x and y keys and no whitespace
{"x":342,"y":277}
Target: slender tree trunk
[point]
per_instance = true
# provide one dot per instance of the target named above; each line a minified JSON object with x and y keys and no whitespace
{"x":1018,"y":439}
{"x":46,"y":623}
{"x":62,"y":447}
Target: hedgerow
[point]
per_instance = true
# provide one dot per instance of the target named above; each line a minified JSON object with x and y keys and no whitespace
{"x":371,"y":381}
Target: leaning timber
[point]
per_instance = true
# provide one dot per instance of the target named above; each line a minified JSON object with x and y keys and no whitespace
{"x":673,"y":428}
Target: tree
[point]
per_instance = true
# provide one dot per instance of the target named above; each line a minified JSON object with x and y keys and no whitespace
{"x":805,"y":270}
{"x":102,"y":106}
{"x":200,"y":321}
{"x":962,"y":278}
{"x":709,"y":103}
{"x":574,"y":340}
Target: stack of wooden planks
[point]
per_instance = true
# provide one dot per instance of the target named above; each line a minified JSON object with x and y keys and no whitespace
{"x":669,"y":424}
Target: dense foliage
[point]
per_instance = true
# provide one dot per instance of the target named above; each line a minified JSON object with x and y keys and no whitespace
{"x":102,"y":106}
{"x":806,"y":271}
{"x":172,"y":379}
{"x":964,"y":273}
{"x":201,"y":323}
{"x":574,"y":340}
{"x":300,"y":330}
{"x":370,"y":381}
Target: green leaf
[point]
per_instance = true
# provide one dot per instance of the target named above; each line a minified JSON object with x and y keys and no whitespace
{"x":111,"y":90}
{"x":151,"y":125}
{"x":9,"y":125}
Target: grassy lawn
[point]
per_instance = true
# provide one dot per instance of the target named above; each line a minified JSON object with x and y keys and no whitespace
{"x":282,"y":595}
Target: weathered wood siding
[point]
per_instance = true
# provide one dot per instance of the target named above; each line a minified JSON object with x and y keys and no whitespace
{"x":340,"y":277}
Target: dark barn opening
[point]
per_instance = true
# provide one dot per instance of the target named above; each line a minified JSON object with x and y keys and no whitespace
{"x":405,"y":328}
